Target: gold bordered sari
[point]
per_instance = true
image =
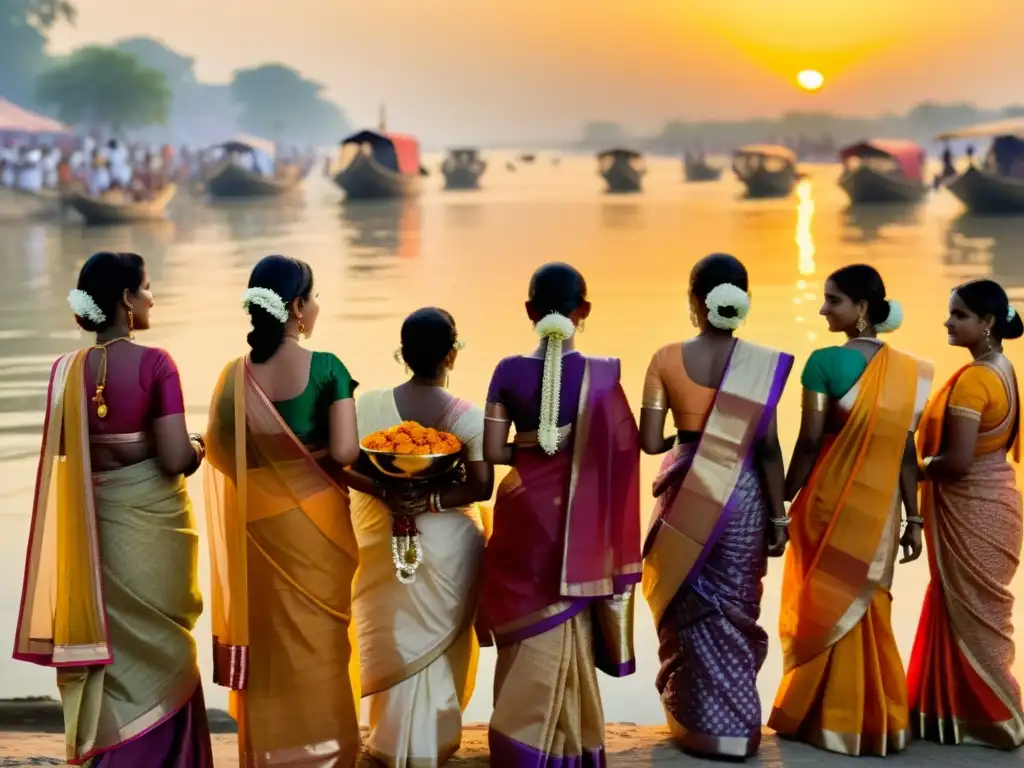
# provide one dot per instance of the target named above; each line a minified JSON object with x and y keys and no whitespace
{"x":962,"y":688}
{"x":110,"y":595}
{"x":843,"y":687}
{"x":417,"y":647}
{"x":282,"y":559}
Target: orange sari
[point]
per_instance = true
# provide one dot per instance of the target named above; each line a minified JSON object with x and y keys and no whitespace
{"x":843,"y":687}
{"x":282,"y":558}
{"x":962,"y":689}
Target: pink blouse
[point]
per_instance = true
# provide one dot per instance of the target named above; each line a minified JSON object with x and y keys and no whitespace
{"x":142,"y":385}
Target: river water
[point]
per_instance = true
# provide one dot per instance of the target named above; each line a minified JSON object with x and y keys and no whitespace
{"x":472,"y":253}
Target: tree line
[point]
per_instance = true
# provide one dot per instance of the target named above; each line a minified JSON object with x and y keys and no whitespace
{"x":140,"y":83}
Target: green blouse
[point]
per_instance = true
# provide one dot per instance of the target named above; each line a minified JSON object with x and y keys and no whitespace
{"x":307,"y":414}
{"x":833,"y":371}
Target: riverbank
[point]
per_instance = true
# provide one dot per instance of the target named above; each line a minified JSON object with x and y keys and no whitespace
{"x":31,"y":734}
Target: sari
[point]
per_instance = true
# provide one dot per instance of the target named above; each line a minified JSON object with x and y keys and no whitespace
{"x":282,"y":558}
{"x":111,"y":596}
{"x":843,"y":686}
{"x":962,"y":688}
{"x":417,"y":646}
{"x":704,"y":559}
{"x":559,"y":573}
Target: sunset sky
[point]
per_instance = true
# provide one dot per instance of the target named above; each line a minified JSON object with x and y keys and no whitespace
{"x":534,"y":69}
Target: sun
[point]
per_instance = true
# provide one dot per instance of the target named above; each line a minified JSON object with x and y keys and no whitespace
{"x":810,"y":79}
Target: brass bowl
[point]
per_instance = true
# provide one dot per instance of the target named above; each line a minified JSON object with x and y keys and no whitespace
{"x":411,"y":466}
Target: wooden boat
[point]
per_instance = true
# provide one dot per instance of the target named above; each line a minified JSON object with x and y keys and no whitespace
{"x":698,"y":169}
{"x":766,"y":170}
{"x":96,"y":211}
{"x":527,"y":158}
{"x":463,"y":168}
{"x":997,"y":186}
{"x":229,"y":180}
{"x":883,"y":171}
{"x":378,"y":164}
{"x":622,"y":169}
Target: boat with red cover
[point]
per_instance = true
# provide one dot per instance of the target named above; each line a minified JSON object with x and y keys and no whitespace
{"x":378,"y":164}
{"x":883,"y":171}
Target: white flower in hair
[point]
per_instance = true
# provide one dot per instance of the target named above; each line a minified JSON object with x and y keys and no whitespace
{"x":894,"y":320}
{"x":1010,"y":314}
{"x":268,"y":300}
{"x":556,"y":328}
{"x":727,"y":295}
{"x":84,"y":306}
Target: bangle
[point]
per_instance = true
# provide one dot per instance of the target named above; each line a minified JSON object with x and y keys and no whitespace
{"x":915,"y":520}
{"x":435,"y":503}
{"x":780,"y":522}
{"x":925,"y":463}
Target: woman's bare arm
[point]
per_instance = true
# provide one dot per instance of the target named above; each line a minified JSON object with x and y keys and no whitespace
{"x":497,"y":449}
{"x":956,"y":457}
{"x":478,"y":486}
{"x":772,"y":469}
{"x":652,"y":431}
{"x":343,"y":432}
{"x":808,"y":444}
{"x":175,"y":452}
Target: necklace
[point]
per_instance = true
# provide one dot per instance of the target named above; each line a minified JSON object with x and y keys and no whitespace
{"x":101,"y":375}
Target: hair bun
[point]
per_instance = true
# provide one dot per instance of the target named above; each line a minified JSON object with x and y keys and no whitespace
{"x":893,"y":320}
{"x":1013,"y":328}
{"x":555,"y":326}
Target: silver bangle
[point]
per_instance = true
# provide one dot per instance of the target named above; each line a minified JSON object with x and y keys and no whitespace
{"x":780,"y":522}
{"x":914,"y":520}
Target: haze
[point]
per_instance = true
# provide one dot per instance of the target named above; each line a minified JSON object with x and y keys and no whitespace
{"x":466,"y":70}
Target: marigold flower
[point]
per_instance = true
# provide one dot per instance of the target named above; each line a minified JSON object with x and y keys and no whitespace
{"x":412,"y":438}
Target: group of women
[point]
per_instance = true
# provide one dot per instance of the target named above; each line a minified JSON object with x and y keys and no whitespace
{"x":309,"y":616}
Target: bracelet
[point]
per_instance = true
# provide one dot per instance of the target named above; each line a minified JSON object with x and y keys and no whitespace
{"x":914,"y":520}
{"x":925,"y":463}
{"x":780,"y":522}
{"x":435,"y":503}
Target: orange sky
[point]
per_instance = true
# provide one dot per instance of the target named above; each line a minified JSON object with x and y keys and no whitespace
{"x":530,"y":69}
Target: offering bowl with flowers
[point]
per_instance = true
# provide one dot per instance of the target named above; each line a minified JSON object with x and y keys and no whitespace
{"x":417,"y":455}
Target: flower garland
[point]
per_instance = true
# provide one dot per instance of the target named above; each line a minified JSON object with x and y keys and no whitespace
{"x":1010,"y":314}
{"x":556,"y":328}
{"x":406,"y":549}
{"x":727,"y":296}
{"x":894,"y":320}
{"x":268,"y":300}
{"x":84,"y":306}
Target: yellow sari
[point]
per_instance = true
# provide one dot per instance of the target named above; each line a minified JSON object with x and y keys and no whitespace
{"x":283,"y":556}
{"x":843,"y":687}
{"x":111,"y":594}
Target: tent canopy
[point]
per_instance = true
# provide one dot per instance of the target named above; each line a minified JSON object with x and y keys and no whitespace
{"x":16,"y":120}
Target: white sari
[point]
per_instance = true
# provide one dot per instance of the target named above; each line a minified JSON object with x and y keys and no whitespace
{"x":417,"y":645}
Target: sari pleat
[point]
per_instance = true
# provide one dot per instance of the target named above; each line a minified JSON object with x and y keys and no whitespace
{"x":844,"y":688}
{"x":960,"y":674}
{"x":283,"y":556}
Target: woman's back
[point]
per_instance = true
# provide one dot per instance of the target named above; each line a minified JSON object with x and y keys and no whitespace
{"x":516,"y":384}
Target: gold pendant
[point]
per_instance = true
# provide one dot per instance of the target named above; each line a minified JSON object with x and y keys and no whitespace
{"x":101,"y":410}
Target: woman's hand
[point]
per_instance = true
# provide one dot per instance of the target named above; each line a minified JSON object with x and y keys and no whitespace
{"x":778,"y":536}
{"x":407,"y":501}
{"x":911,"y":543}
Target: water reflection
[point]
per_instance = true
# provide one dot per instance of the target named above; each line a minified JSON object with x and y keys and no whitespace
{"x":867,"y":224}
{"x":620,"y":215}
{"x":804,"y":237}
{"x":978,"y":246}
{"x":382,"y":228}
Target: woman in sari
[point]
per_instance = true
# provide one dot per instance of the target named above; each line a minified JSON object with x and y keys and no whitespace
{"x":417,"y":646}
{"x":564,"y":557}
{"x":962,"y":688}
{"x":283,"y":552}
{"x":110,"y":596}
{"x":719,"y":514}
{"x":843,"y":687}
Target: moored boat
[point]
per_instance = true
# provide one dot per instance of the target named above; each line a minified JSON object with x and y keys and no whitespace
{"x":378,"y":164}
{"x":883,"y":171}
{"x":111,"y":211}
{"x":249,"y":170}
{"x":462,"y":169}
{"x":997,"y":185}
{"x":622,"y":169}
{"x":766,"y":170}
{"x":696,"y":168}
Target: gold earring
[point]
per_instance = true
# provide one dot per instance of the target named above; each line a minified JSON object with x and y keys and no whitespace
{"x":302,"y":328}
{"x":131,"y":323}
{"x":988,"y":338}
{"x":862,"y":325}
{"x":582,"y":326}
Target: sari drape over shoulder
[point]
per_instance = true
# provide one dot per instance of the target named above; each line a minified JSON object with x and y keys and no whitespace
{"x":843,"y":687}
{"x":962,"y":688}
{"x":110,"y":595}
{"x":417,"y":646}
{"x":282,"y":557}
{"x":705,"y":558}
{"x":559,"y":573}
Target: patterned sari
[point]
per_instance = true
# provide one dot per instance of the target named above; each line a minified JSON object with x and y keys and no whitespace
{"x":282,"y":558}
{"x":961,"y":683}
{"x":417,"y":647}
{"x":559,"y":573}
{"x":111,"y":596}
{"x":704,"y":559}
{"x":843,"y":687}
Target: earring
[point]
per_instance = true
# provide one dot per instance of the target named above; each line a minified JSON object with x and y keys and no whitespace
{"x":988,"y":338}
{"x":862,"y":325}
{"x":302,"y":328}
{"x":582,"y":326}
{"x":131,"y":323}
{"x":693,"y":318}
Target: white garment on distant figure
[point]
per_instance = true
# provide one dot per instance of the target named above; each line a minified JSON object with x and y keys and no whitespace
{"x":50,"y":162}
{"x":120,"y":167}
{"x":99,"y":181}
{"x":9,"y":157}
{"x":30,"y":175}
{"x":263,"y":162}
